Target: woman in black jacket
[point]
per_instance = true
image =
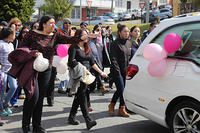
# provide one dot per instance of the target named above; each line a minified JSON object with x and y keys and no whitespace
{"x":120,"y":54}
{"x":80,"y":52}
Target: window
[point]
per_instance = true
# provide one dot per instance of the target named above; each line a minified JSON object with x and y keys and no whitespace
{"x":190,"y":47}
{"x":75,"y":14}
{"x":91,"y":12}
{"x":118,"y":3}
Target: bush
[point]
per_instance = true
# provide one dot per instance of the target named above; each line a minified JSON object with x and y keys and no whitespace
{"x":143,"y":27}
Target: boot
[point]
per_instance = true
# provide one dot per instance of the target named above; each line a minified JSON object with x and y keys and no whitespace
{"x":72,"y":120}
{"x":26,"y":129}
{"x":111,"y":108}
{"x":90,"y":123}
{"x":122,"y":112}
{"x":103,"y":89}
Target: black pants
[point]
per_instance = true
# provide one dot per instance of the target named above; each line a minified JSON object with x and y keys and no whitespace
{"x":120,"y":85}
{"x":80,"y":99}
{"x":33,"y":107}
{"x":50,"y":90}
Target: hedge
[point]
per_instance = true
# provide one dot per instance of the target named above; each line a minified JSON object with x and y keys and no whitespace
{"x":143,"y":27}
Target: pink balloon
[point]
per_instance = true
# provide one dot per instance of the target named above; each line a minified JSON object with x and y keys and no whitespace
{"x":157,"y":69}
{"x":154,"y":52}
{"x":62,"y":50}
{"x":172,"y":42}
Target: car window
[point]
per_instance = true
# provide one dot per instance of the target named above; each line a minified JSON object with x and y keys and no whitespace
{"x":98,"y":18}
{"x":106,"y":17}
{"x":190,"y":47}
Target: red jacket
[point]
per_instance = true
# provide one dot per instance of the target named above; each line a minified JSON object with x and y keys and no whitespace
{"x":22,"y":68}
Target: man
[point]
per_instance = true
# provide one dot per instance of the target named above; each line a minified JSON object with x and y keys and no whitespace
{"x":147,"y":32}
{"x":66,"y":30}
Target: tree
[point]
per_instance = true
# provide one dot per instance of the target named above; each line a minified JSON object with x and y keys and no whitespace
{"x":22,"y":9}
{"x":57,"y":8}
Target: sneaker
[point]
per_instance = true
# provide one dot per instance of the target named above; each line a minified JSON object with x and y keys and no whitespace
{"x":3,"y":113}
{"x":9,"y":111}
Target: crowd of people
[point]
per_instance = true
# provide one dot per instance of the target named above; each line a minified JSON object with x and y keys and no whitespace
{"x":89,"y":51}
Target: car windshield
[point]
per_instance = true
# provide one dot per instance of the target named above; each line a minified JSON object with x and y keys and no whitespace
{"x":106,"y":17}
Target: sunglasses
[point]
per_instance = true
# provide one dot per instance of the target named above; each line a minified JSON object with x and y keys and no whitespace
{"x":67,"y":23}
{"x":17,"y":24}
{"x":24,"y":31}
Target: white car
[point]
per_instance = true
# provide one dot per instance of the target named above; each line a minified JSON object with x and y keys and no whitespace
{"x":101,"y":20}
{"x":124,"y":16}
{"x":171,"y":100}
{"x":166,"y":12}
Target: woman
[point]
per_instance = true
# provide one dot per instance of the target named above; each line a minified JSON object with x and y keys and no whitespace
{"x":97,"y":47}
{"x":80,"y":52}
{"x":120,"y":54}
{"x":7,"y":35}
{"x":134,"y":38}
{"x":18,"y":94}
{"x":45,"y":41}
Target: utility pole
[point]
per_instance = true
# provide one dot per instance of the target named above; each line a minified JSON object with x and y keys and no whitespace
{"x":80,"y":10}
{"x":147,"y":11}
{"x":112,"y":5}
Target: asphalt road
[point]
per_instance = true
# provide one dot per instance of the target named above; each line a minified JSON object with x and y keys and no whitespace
{"x":54,"y":118}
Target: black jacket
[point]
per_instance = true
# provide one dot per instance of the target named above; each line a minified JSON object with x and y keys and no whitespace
{"x":120,"y":55}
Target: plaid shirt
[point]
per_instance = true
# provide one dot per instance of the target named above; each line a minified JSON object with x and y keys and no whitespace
{"x":5,"y":49}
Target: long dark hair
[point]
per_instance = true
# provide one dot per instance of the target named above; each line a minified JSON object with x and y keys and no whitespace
{"x":44,"y":20}
{"x":19,"y":37}
{"x":78,"y":33}
{"x":5,"y":32}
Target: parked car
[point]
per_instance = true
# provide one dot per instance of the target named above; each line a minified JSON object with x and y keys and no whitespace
{"x":102,"y":20}
{"x":124,"y":16}
{"x":135,"y":13}
{"x":111,"y":15}
{"x":162,"y":16}
{"x":152,"y":17}
{"x":166,"y":12}
{"x":173,"y":99}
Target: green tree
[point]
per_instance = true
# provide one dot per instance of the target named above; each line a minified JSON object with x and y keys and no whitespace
{"x":196,"y":4}
{"x":22,"y":9}
{"x":57,"y":8}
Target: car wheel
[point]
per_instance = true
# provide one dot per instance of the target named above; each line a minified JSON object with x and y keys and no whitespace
{"x":133,"y":17}
{"x":185,"y":118}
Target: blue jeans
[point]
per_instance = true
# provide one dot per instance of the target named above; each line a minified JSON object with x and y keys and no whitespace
{"x":120,"y":85}
{"x":14,"y":98}
{"x":13,"y":86}
{"x":62,"y":85}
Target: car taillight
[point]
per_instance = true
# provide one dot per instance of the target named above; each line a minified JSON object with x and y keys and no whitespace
{"x":131,"y":71}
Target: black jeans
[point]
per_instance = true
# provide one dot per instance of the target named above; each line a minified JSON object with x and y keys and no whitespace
{"x":80,"y":99}
{"x":120,"y":85}
{"x":33,"y":107}
{"x":51,"y":84}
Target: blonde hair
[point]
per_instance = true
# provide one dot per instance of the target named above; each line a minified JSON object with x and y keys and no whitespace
{"x":14,"y":21}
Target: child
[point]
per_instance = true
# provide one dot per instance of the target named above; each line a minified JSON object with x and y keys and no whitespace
{"x":1,"y":80}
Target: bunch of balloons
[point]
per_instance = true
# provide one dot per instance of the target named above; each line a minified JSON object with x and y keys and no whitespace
{"x":60,"y":61}
{"x":157,"y":54}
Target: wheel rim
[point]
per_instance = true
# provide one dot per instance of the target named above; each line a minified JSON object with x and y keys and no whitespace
{"x":186,"y":120}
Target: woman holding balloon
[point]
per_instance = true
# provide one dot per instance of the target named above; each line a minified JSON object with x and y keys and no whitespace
{"x":45,"y":41}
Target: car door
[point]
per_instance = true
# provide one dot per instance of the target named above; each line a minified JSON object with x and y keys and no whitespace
{"x":151,"y":93}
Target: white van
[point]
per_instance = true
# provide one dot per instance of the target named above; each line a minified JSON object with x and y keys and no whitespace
{"x":171,"y":100}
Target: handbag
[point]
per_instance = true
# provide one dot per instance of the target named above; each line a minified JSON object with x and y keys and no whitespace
{"x":89,"y":79}
{"x":40,"y":64}
{"x":131,"y":71}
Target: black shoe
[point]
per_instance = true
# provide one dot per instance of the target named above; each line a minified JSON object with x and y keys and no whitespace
{"x":39,"y":130}
{"x":90,"y":123}
{"x":26,"y":129}
{"x":72,"y":120}
{"x":50,"y":102}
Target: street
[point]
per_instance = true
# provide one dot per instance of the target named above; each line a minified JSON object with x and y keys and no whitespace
{"x":54,"y":118}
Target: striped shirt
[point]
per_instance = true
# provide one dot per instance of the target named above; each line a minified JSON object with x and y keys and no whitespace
{"x":5,"y":49}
